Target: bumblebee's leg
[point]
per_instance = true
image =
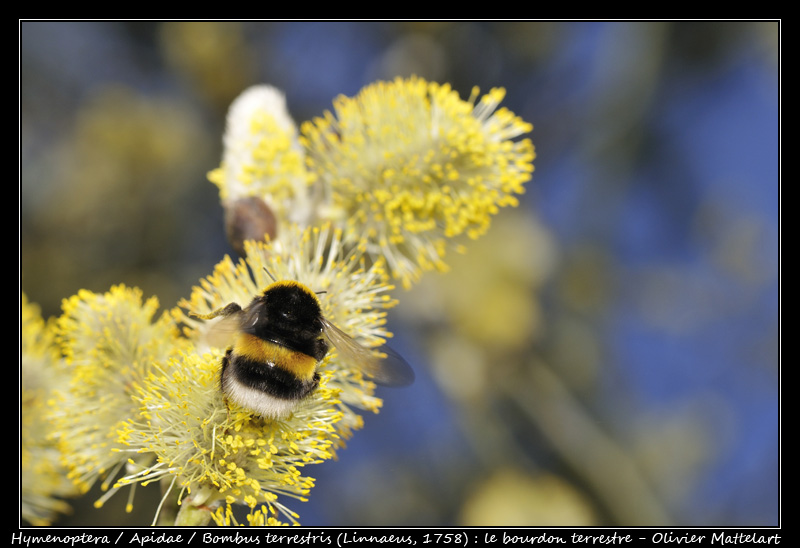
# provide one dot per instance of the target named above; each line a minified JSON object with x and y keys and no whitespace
{"x":225,"y":361}
{"x":227,"y":411}
{"x":231,"y":308}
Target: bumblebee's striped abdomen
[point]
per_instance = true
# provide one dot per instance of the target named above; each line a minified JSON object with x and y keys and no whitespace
{"x":268,"y":354}
{"x":267,"y":388}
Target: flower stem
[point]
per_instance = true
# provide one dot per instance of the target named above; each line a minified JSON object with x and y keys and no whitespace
{"x":196,"y":509}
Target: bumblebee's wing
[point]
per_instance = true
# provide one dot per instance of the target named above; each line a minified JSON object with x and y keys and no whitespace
{"x":384,"y":365}
{"x":249,"y":318}
{"x":221,"y":332}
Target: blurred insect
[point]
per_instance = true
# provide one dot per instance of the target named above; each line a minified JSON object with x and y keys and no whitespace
{"x":279,"y":339}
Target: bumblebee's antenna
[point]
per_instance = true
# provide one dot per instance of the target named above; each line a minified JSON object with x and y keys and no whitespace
{"x":270,"y":274}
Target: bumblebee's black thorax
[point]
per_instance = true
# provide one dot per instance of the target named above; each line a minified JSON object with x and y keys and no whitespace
{"x":289,"y":314}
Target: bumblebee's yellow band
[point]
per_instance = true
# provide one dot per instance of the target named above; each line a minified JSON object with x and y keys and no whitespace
{"x":301,"y":365}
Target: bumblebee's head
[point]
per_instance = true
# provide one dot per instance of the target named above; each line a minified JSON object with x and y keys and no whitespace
{"x":290,"y":309}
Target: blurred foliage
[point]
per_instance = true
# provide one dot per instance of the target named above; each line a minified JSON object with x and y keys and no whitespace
{"x":213,"y":59}
{"x":608,"y":354}
{"x":510,"y":498}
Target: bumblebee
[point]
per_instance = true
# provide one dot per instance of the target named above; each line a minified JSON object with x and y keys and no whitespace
{"x":279,"y":340}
